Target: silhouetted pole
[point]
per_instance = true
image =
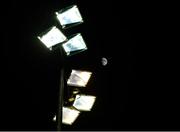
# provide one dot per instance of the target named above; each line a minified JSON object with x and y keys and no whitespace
{"x":61,"y":93}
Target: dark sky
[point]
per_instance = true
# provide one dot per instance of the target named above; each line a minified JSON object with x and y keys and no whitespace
{"x":126,"y":99}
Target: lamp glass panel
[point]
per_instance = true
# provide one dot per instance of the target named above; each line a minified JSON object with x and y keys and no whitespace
{"x":79,"y":78}
{"x":69,"y":115}
{"x":52,"y":37}
{"x":69,"y":15}
{"x":76,"y":43}
{"x":84,"y":102}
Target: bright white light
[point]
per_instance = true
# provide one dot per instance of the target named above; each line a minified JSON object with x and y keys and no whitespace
{"x":54,"y":119}
{"x":74,"y":44}
{"x":79,"y":78}
{"x":84,"y":102}
{"x":69,"y":16}
{"x":52,"y":37}
{"x":69,"y":115}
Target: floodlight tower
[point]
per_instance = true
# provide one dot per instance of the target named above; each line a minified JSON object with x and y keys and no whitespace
{"x":53,"y":38}
{"x":68,"y":17}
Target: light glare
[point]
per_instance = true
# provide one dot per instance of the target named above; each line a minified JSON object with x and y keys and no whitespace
{"x":54,"y":118}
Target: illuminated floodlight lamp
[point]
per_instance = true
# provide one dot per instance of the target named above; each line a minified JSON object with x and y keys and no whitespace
{"x":69,"y":115}
{"x":79,"y":78}
{"x":74,"y":45}
{"x":69,"y":16}
{"x":84,"y":102}
{"x":52,"y":37}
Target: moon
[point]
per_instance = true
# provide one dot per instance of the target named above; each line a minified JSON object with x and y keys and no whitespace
{"x":104,"y":61}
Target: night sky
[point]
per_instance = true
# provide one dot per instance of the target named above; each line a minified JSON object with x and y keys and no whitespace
{"x":126,"y":99}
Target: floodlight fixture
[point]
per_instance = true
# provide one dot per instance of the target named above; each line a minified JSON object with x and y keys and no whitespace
{"x":69,"y":16}
{"x":69,"y":115}
{"x":74,"y":45}
{"x":52,"y":37}
{"x":84,"y":102}
{"x":79,"y":78}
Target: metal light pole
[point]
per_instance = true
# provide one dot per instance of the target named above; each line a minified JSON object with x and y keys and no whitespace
{"x":61,"y":93}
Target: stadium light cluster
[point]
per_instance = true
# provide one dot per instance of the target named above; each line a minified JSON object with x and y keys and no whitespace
{"x":69,"y":17}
